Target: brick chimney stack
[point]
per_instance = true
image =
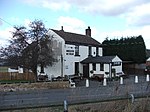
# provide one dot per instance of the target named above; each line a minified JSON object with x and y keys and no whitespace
{"x":62,"y":29}
{"x":88,"y":31}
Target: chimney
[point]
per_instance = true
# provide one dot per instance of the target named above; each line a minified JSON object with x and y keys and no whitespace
{"x":62,"y":28}
{"x":88,"y":31}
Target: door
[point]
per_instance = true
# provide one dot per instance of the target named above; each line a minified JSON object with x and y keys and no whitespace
{"x":76,"y":68}
{"x":86,"y":70}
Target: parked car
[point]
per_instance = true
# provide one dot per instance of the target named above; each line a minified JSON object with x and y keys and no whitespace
{"x":98,"y":77}
{"x":42,"y":77}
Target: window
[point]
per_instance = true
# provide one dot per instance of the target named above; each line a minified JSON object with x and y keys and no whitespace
{"x":42,"y":69}
{"x":101,"y":67}
{"x":90,"y":50}
{"x":116,"y":63}
{"x":97,"y":51}
{"x":76,"y":50}
{"x":94,"y":66}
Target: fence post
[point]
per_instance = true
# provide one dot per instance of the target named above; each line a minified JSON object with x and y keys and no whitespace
{"x":65,"y":106}
{"x":136,"y":79}
{"x":87,"y":82}
{"x":132,"y":96}
{"x":147,"y":77}
{"x":121,"y":80}
{"x":104,"y":82}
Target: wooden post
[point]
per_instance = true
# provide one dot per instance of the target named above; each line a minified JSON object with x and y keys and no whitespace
{"x":136,"y":79}
{"x":147,"y":78}
{"x":104,"y":82}
{"x":121,"y":80}
{"x":87,"y":82}
{"x":65,"y":106}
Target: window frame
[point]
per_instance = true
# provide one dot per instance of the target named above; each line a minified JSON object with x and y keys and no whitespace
{"x":77,"y":50}
{"x":94,"y":66}
{"x":101,"y":66}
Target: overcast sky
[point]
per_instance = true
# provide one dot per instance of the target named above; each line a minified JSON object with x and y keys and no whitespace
{"x":106,"y":18}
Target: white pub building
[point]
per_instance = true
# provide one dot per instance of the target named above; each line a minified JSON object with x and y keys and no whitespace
{"x":79,"y":54}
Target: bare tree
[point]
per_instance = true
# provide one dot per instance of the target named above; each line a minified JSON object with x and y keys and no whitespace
{"x":30,"y":48}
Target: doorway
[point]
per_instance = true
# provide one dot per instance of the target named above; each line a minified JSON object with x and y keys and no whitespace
{"x":86,"y":70}
{"x":76,"y":68}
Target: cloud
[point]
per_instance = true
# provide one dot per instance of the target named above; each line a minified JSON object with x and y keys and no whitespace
{"x":108,"y":7}
{"x":55,"y":5}
{"x":144,"y":31}
{"x":50,"y":4}
{"x":139,"y":16}
{"x":5,"y":35}
{"x":27,"y":22}
{"x":104,"y":7}
{"x":71,"y":24}
{"x":135,"y":12}
{"x":1,"y":23}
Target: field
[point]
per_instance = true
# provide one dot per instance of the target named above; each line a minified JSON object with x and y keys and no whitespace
{"x":139,"y":105}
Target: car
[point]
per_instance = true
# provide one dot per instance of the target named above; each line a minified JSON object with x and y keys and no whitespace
{"x":98,"y":77}
{"x":42,"y":77}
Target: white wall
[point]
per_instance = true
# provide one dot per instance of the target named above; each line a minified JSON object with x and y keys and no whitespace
{"x":100,"y":52}
{"x":71,"y":59}
{"x":117,"y":68}
{"x":58,"y":48}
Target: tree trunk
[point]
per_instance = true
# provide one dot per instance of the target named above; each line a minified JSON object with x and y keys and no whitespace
{"x":35,"y":73}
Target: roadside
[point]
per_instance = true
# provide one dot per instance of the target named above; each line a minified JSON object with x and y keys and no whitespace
{"x":140,"y":105}
{"x":33,"y":86}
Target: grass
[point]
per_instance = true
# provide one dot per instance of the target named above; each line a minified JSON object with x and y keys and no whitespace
{"x":45,"y":109}
{"x":13,"y":81}
{"x":140,"y":105}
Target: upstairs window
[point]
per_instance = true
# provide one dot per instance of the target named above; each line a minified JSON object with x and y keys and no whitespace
{"x":76,"y":50}
{"x":90,"y":50}
{"x":97,"y":51}
{"x":116,"y":63}
{"x":94,"y":66}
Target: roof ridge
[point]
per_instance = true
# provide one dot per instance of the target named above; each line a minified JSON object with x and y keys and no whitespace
{"x":72,"y":33}
{"x":75,"y":38}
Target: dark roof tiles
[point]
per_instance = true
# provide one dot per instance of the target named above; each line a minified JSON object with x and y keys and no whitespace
{"x":99,"y":59}
{"x":73,"y":38}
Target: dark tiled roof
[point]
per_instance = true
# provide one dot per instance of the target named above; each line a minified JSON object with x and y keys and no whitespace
{"x":99,"y":59}
{"x":73,"y":38}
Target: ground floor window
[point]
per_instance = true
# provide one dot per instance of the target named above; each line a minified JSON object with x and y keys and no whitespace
{"x":42,"y":69}
{"x":94,"y":66}
{"x":101,"y":67}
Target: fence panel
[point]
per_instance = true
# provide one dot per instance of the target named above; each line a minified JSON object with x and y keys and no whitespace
{"x":16,"y":76}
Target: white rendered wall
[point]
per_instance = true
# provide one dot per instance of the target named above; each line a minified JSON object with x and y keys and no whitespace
{"x":71,"y":59}
{"x":68,"y":63}
{"x":106,"y":69}
{"x":100,"y":52}
{"x":57,"y":69}
{"x":117,"y":68}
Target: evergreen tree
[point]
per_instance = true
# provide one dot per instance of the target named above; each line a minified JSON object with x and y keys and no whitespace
{"x":128,"y":49}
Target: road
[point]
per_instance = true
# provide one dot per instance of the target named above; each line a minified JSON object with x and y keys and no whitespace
{"x":80,"y":94}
